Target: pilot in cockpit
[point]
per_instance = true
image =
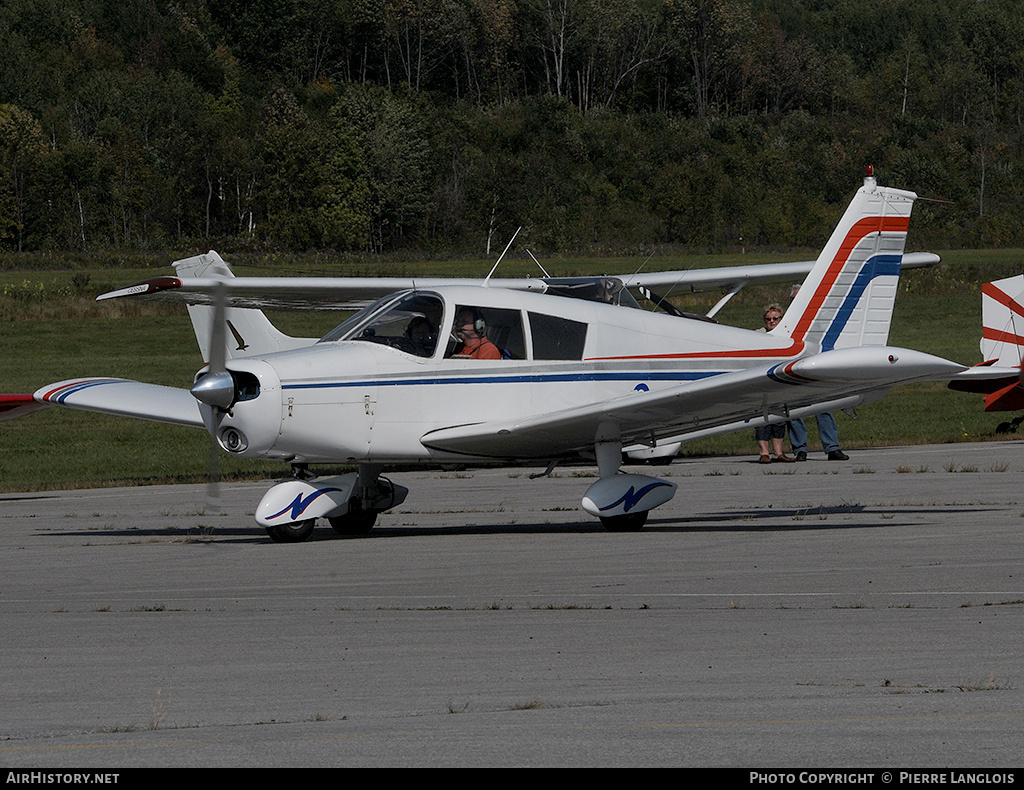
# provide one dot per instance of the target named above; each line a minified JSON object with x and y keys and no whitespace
{"x":421,"y":334}
{"x":471,"y":332}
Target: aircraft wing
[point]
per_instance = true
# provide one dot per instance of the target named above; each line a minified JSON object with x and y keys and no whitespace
{"x":722,"y":401}
{"x":124,"y":398}
{"x":300,"y":293}
{"x":732,"y":276}
{"x":344,"y":293}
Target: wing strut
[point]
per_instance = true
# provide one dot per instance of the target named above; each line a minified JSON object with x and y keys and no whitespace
{"x":725,"y":299}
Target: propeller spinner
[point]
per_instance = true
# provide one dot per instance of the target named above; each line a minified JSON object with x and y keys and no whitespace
{"x":215,"y":389}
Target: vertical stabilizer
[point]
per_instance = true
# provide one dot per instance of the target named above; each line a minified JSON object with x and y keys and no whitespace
{"x":1002,"y":318}
{"x":249,"y":331}
{"x":847,"y":298}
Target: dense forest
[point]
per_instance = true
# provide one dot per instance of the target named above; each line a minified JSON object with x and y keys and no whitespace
{"x":441,"y":126}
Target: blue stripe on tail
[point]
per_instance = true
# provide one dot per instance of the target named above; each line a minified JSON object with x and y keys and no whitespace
{"x":876,"y":266}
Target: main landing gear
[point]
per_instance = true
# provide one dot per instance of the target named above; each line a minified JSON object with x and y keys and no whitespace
{"x":358,"y":521}
{"x":1009,"y":427}
{"x":622,"y":501}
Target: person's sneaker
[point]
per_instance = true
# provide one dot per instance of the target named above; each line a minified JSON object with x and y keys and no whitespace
{"x":801,"y":456}
{"x":838,"y":455}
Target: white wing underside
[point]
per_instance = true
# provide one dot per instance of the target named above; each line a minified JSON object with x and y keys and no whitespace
{"x":125,"y":398}
{"x":717,"y":404}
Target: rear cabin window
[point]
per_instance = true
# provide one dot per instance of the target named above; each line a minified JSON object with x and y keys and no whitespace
{"x":557,"y":338}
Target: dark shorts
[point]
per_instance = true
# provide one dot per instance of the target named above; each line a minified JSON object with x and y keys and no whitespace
{"x":764,"y":433}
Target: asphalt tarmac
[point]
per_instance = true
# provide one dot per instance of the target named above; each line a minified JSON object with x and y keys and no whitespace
{"x":827,"y":615}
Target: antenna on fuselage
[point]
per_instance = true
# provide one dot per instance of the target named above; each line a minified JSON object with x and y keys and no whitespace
{"x":502,"y":254}
{"x":639,"y":269}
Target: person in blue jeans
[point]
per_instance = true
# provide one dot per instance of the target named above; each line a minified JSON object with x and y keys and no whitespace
{"x":827,"y":430}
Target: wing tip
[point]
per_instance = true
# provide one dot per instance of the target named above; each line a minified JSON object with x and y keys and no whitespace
{"x":144,"y":287}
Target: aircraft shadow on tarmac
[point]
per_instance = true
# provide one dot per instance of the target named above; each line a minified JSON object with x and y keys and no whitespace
{"x":808,"y":518}
{"x":761,"y":519}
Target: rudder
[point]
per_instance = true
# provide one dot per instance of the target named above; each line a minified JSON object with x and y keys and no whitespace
{"x":848,"y":297}
{"x":1002,"y":318}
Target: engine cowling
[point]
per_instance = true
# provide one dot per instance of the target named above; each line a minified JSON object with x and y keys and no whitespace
{"x":252,"y":424}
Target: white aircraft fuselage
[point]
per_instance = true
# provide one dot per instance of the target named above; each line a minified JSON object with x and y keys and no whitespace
{"x":359,"y":400}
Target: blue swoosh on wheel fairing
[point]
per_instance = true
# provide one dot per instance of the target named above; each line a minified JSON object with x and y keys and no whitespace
{"x":632,"y":497}
{"x":298,"y":505}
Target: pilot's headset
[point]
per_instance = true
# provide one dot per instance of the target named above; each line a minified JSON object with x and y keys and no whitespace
{"x":479,"y":326}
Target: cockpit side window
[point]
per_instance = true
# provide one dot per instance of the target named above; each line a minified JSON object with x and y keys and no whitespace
{"x":475,"y":329}
{"x":557,"y":338}
{"x":408,"y":322}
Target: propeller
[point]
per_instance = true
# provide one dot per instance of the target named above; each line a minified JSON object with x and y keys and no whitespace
{"x":216,"y":389}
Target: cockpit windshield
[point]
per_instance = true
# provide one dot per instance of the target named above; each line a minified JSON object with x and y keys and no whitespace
{"x":407,"y":321}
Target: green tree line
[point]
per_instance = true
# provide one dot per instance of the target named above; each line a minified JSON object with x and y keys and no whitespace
{"x":444,"y":125}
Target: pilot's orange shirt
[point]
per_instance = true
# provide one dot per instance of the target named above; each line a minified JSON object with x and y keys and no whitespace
{"x":483,"y":349}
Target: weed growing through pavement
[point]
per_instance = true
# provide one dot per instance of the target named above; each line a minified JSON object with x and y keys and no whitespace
{"x":984,"y":685}
{"x":158,"y":711}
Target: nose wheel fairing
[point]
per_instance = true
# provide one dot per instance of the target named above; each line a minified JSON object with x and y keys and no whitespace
{"x":347,"y":502}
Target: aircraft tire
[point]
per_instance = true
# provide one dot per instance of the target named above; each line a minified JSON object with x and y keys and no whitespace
{"x":633,"y":522}
{"x":354,"y":523}
{"x":295,"y":532}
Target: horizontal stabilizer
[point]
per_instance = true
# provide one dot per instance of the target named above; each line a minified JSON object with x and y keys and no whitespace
{"x":1000,"y":385}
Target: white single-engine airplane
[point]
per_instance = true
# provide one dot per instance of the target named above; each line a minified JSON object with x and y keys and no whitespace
{"x":500,"y":370}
